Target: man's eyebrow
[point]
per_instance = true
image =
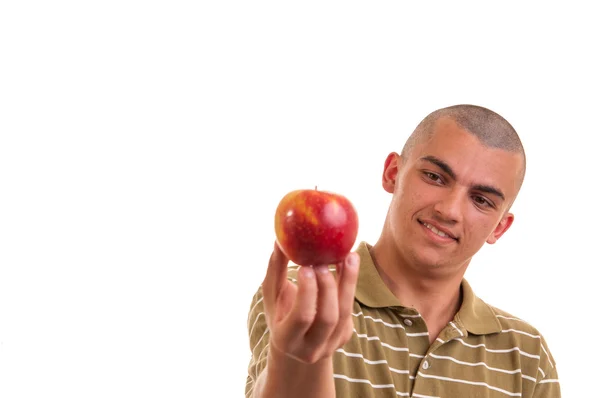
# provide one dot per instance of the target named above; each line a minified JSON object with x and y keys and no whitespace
{"x":448,"y":170}
{"x":441,"y":164}
{"x":489,"y":189}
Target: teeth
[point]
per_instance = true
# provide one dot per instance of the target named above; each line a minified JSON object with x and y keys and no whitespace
{"x":435,"y":230}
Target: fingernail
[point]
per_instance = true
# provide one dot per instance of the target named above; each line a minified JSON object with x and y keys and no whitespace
{"x":307,"y":272}
{"x":352,"y":260}
{"x":322,"y":269}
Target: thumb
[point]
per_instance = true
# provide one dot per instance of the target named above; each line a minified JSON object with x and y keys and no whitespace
{"x":276,"y":273}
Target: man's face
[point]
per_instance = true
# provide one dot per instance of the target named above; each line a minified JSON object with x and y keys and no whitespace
{"x":450,"y":196}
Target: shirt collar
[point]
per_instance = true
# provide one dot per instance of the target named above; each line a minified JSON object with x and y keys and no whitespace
{"x":474,"y":314}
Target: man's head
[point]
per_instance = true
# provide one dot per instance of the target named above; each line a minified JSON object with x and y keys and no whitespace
{"x":453,"y":186}
{"x":492,"y":129}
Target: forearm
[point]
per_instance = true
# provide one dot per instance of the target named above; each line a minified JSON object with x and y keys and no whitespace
{"x":287,"y":378}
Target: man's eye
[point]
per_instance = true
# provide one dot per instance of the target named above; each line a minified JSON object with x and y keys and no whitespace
{"x":481,"y":201}
{"x":433,"y":177}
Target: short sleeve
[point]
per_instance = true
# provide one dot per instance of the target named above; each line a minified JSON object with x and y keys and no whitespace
{"x":549,"y":386}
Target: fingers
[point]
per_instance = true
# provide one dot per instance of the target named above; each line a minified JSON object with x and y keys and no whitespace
{"x":326,"y":317}
{"x":318,"y":319}
{"x":302,"y":314}
{"x":331,"y":324}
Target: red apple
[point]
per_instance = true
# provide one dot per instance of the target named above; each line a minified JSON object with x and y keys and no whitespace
{"x":315,"y":227}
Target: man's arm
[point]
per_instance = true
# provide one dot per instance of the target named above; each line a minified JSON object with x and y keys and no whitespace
{"x":301,"y":325}
{"x":549,"y":386}
{"x":287,"y":377}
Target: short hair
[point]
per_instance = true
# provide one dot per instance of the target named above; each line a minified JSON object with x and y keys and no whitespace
{"x":488,"y":126}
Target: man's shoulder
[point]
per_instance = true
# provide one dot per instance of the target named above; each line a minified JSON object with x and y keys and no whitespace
{"x":522,"y":331}
{"x":522,"y":334}
{"x":514,"y":323}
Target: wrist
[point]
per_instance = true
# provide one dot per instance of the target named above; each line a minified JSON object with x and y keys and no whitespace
{"x":288,"y":377}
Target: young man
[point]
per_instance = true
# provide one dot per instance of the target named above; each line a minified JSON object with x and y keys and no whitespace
{"x":397,"y":318}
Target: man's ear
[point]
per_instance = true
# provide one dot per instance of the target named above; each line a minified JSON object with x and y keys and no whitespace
{"x":390,"y":171}
{"x":501,"y":228}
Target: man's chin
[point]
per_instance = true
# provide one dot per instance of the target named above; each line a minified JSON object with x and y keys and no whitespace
{"x":434,"y":262}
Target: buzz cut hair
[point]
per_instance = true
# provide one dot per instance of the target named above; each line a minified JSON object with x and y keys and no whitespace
{"x":489,"y":127}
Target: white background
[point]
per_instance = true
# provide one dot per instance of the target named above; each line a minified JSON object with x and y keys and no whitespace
{"x":144,"y":147}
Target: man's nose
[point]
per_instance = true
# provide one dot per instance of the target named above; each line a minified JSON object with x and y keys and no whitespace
{"x":449,"y":206}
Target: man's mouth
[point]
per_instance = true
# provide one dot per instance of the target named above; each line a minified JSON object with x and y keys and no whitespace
{"x":436,"y":231}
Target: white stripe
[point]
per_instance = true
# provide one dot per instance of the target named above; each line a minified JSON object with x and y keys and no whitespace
{"x":259,"y":340}
{"x":351,"y":380}
{"x":542,"y":372}
{"x":484,"y":365}
{"x":370,"y":361}
{"x":511,"y":318}
{"x":261,"y":358}
{"x":459,"y":331}
{"x":534,"y":336}
{"x":547,"y":355}
{"x":370,"y":338}
{"x":499,"y":351}
{"x":391,"y":347}
{"x":338,"y":376}
{"x":528,"y":334}
{"x":549,"y":381}
{"x":475,"y":383}
{"x":255,"y":320}
{"x":252,"y":309}
{"x":365,"y":336}
{"x":423,"y":396}
{"x":391,"y":325}
{"x":358,"y":355}
{"x":417,"y":334}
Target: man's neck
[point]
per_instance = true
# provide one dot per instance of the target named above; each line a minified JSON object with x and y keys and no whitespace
{"x":437,"y":299}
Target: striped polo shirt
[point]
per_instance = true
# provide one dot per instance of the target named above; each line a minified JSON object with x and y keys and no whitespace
{"x":482,"y":352}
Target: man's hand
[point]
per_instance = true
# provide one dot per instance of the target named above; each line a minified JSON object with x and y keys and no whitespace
{"x":312,"y":319}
